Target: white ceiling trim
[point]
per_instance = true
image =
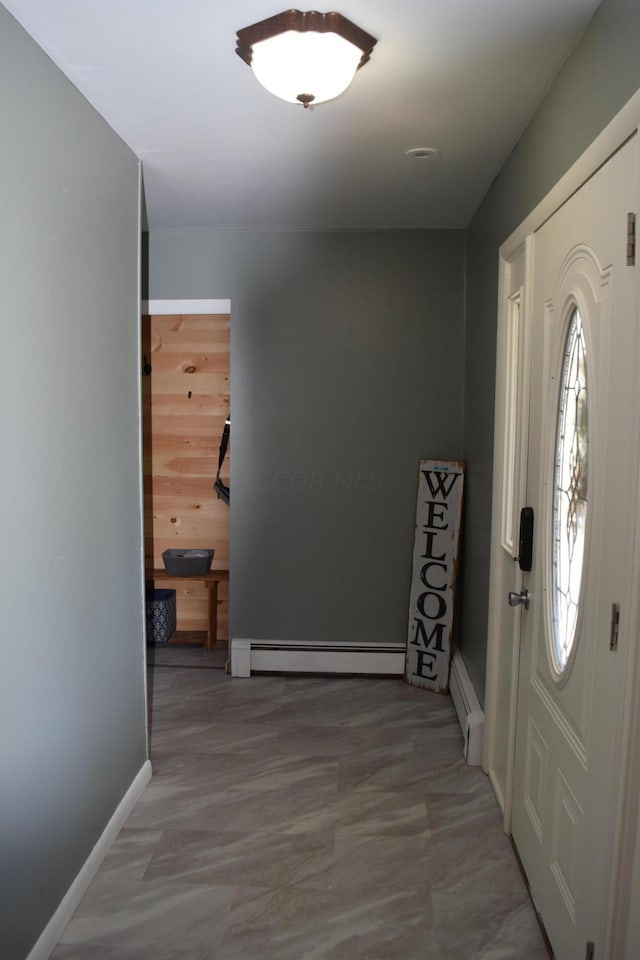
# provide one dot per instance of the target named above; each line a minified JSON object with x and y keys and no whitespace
{"x":170,"y":307}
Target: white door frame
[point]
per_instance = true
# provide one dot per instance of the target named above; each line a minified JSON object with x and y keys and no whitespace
{"x":502,"y":651}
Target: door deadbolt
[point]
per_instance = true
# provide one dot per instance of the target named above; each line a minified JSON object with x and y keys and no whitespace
{"x":525,"y":539}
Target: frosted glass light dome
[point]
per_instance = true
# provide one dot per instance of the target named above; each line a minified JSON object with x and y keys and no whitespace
{"x":293,"y":65}
{"x":305,"y":57}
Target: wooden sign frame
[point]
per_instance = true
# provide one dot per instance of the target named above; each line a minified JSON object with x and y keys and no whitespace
{"x":435,"y":569}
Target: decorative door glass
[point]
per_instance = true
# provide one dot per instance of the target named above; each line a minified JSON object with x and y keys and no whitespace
{"x":570,"y":494}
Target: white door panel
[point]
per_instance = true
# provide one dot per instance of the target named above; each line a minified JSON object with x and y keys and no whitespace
{"x":569,"y":719}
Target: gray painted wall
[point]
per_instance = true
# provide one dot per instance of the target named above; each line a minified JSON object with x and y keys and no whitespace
{"x":347,"y":367}
{"x":602,"y":73}
{"x":72,"y":680}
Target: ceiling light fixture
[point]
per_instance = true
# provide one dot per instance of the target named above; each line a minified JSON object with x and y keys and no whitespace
{"x":305,"y":58}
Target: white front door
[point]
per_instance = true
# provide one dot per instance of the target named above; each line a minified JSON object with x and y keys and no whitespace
{"x":582,"y":486}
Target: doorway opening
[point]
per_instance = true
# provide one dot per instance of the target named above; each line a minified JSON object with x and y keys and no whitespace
{"x":186,"y":403}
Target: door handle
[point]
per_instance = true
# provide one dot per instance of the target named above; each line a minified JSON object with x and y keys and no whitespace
{"x":515,"y":599}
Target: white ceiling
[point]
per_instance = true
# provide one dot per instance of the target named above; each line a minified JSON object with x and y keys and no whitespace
{"x":464,"y":76}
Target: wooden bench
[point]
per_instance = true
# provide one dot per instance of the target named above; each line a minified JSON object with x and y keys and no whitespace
{"x":211,"y":581}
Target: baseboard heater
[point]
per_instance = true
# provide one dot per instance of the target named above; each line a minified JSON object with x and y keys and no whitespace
{"x":291,"y":656}
{"x":468,"y":708}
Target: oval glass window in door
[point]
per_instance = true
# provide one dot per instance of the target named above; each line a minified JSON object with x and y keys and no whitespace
{"x":570,"y":493}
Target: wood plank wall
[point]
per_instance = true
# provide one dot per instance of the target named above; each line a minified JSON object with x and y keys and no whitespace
{"x":185,"y":404}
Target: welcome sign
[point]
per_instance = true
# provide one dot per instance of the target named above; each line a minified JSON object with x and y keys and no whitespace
{"x":435,"y":568}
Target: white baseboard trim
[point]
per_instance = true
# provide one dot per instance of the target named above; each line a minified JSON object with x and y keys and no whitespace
{"x":51,"y":934}
{"x":468,"y":708}
{"x":497,"y":789}
{"x":291,"y":656}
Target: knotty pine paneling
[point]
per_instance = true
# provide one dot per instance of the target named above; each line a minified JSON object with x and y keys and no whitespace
{"x":186,"y":403}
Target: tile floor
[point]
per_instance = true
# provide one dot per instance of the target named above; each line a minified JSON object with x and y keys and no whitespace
{"x":295,"y":818}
